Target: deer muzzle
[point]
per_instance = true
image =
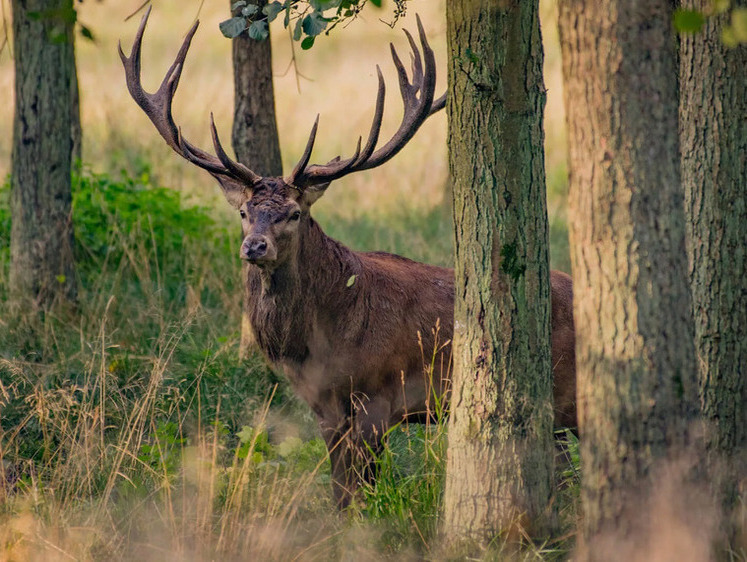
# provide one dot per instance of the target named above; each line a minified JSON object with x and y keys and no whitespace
{"x":258,"y":249}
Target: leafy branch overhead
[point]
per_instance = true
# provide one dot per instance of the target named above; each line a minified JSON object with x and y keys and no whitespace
{"x":306,"y":18}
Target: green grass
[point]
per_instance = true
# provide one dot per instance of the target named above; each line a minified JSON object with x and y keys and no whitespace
{"x":131,"y":429}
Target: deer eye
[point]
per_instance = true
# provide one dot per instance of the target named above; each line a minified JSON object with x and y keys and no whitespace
{"x":295,"y":216}
{"x":242,"y":213}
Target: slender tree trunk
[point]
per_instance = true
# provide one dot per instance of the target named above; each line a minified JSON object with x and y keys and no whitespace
{"x":255,"y":132}
{"x":500,"y":456}
{"x":713,"y":130}
{"x":41,"y":268}
{"x":637,"y":387}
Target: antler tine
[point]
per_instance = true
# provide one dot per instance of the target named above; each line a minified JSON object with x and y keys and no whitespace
{"x":417,"y":108}
{"x":236,"y":168}
{"x":438,"y":105}
{"x":405,"y":89}
{"x":132,"y":64}
{"x":157,"y":106}
{"x":187,"y":151}
{"x":345,"y":165}
{"x":416,"y":113}
{"x":298,"y":171}
{"x":417,"y":64}
{"x":429,"y":77}
{"x":373,"y":135}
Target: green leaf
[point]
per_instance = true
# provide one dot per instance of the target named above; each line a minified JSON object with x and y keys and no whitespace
{"x":272,"y":10}
{"x":258,"y":30}
{"x":314,"y":24}
{"x":307,"y":43}
{"x":298,"y":29}
{"x":233,"y":27}
{"x":61,"y":279}
{"x":376,"y":3}
{"x":688,"y":21}
{"x":351,"y":281}
{"x":246,"y":434}
{"x":87,"y":33}
{"x":321,"y":5}
{"x":289,"y":445}
{"x":249,"y":11}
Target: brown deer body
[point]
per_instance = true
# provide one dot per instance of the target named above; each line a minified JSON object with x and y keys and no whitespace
{"x":349,"y":329}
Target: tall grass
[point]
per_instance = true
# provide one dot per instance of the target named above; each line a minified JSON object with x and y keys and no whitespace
{"x":131,"y":430}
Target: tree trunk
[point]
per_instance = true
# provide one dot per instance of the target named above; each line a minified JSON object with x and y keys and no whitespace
{"x":41,"y":268}
{"x":255,"y":132}
{"x":713,"y":130}
{"x":500,"y":456}
{"x":637,"y":388}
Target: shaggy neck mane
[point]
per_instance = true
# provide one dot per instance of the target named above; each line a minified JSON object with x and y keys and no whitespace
{"x":283,"y":303}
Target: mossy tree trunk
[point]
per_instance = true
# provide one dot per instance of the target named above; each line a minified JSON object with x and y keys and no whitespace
{"x":500,"y":456}
{"x":637,"y":386}
{"x":42,"y":269}
{"x":713,"y":131}
{"x":255,"y":132}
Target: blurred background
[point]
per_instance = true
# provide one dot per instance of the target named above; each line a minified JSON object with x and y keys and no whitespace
{"x":399,"y":207}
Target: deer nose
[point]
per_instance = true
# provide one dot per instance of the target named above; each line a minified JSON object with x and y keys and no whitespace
{"x":254,"y":248}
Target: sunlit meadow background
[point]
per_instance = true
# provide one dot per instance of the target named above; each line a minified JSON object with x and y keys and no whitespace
{"x":132,"y":429}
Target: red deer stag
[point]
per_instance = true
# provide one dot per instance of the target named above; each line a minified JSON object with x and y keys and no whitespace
{"x":344,"y":326}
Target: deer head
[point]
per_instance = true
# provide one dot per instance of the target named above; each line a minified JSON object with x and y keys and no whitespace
{"x":273,"y":209}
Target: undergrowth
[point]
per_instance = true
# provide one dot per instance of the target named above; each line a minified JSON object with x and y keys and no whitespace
{"x":130,"y":428}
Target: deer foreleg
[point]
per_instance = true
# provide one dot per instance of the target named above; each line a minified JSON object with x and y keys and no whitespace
{"x":352,"y":444}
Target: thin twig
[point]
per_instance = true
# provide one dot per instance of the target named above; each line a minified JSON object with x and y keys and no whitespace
{"x":293,"y":59}
{"x":199,"y":9}
{"x":6,"y":41}
{"x":133,"y":14}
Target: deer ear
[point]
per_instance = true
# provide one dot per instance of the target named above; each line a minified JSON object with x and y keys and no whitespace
{"x":312,"y":193}
{"x":235,"y":192}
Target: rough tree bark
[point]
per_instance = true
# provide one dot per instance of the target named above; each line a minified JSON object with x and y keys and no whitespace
{"x":42,"y":269}
{"x":255,"y":132}
{"x":637,"y":388}
{"x":713,"y":132}
{"x":500,"y":456}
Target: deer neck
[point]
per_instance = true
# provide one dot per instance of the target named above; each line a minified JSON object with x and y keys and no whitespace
{"x":287,"y":300}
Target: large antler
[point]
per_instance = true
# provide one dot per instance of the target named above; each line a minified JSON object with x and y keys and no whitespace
{"x":417,"y":110}
{"x":157,"y":106}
